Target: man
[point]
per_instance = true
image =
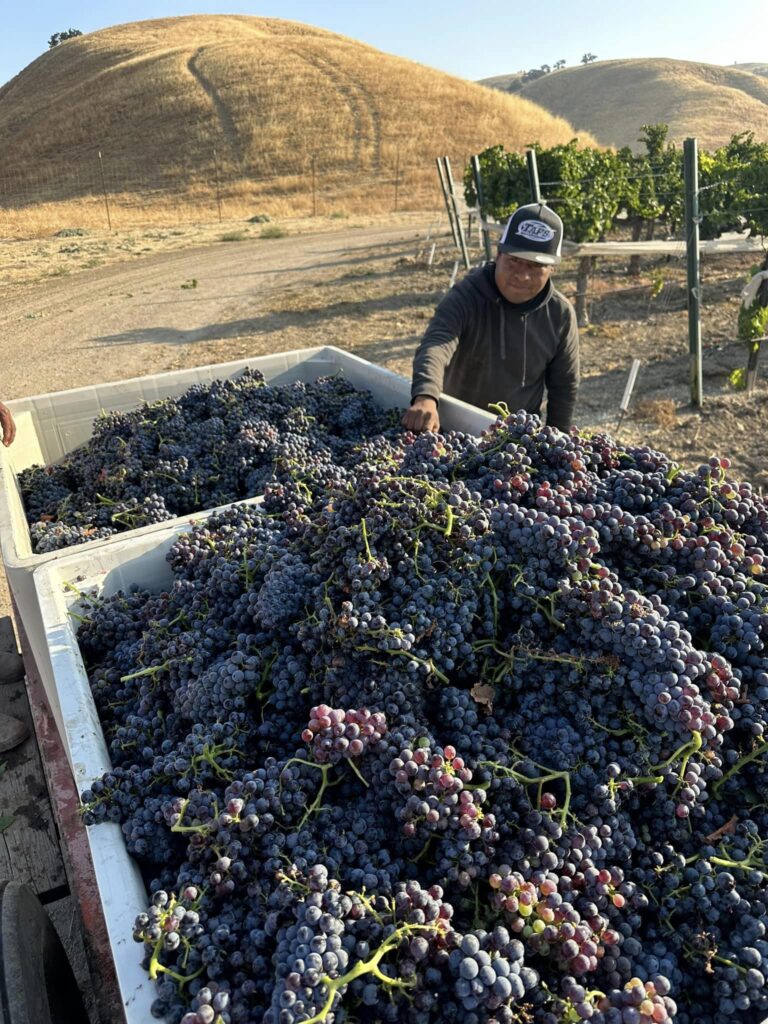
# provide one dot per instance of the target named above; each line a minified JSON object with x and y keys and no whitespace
{"x":12,"y":730}
{"x":504,"y":333}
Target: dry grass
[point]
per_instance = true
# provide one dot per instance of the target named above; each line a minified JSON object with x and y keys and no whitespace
{"x":661,"y":412}
{"x":261,"y":105}
{"x":612,"y":99}
{"x":755,"y":67}
{"x":289,"y":197}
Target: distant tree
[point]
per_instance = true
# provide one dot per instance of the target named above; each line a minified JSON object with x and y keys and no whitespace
{"x":534,"y":73}
{"x":59,"y":37}
{"x":588,"y":58}
{"x":654,"y":138}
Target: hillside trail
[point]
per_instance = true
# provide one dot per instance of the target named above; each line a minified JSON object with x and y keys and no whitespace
{"x":130,"y":319}
{"x":223,"y":113}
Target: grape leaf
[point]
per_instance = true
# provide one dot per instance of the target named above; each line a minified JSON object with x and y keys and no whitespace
{"x":483,"y":695}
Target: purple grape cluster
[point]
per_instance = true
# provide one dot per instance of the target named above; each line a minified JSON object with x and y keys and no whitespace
{"x":454,"y":729}
{"x":214,"y":444}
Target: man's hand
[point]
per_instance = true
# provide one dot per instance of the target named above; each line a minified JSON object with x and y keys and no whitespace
{"x":7,"y":425}
{"x":422,"y":415}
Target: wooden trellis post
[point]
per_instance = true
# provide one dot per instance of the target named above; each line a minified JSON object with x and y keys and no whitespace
{"x":478,"y":180}
{"x":449,"y":192}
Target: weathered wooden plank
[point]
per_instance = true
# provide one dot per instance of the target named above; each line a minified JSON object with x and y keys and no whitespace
{"x":29,"y":846}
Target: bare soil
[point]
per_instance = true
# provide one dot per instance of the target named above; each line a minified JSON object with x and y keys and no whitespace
{"x":169,"y":300}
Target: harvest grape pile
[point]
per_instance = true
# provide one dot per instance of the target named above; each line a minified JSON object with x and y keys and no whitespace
{"x":452,"y":729}
{"x":215,"y":444}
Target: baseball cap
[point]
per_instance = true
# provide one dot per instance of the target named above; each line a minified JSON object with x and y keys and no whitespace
{"x":533,"y":232}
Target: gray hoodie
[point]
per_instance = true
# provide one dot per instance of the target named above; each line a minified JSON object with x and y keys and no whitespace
{"x":483,"y":349}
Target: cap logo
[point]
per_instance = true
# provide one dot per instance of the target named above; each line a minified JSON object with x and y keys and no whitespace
{"x":535,"y":231}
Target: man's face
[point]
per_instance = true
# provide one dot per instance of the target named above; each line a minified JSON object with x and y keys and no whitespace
{"x":519,"y":280}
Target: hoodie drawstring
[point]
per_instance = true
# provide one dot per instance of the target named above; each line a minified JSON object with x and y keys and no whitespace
{"x":503,"y":339}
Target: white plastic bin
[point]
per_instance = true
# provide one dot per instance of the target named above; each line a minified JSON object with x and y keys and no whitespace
{"x":105,"y":570}
{"x":50,"y":426}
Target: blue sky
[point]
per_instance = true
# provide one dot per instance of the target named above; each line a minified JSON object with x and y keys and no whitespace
{"x":470,"y":38}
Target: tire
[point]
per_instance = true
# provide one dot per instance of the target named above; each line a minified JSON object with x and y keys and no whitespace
{"x":37,"y":985}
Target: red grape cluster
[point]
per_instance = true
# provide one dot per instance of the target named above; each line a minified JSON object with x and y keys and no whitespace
{"x":549,"y":925}
{"x":435,"y":784}
{"x":334,"y":733}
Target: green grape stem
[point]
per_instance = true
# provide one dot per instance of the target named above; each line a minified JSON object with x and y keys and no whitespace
{"x":357,"y":772}
{"x":209,"y":756}
{"x":202,"y":828}
{"x":153,"y":670}
{"x":317,"y":802}
{"x":428,"y":664}
{"x":156,"y":967}
{"x":736,"y":768}
{"x":370,"y":966}
{"x":743,"y":865}
{"x":526,"y":780}
{"x":684,"y":752}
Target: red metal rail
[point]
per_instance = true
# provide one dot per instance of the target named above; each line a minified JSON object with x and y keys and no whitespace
{"x":78,"y":865}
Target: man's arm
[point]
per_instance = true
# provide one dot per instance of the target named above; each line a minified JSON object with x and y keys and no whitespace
{"x":435,"y":351}
{"x":7,"y":425}
{"x":562,"y":377}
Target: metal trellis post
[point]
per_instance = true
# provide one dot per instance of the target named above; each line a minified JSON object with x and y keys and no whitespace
{"x":691,"y":177}
{"x":218,"y":183}
{"x":754,"y":348}
{"x":104,"y":190}
{"x":533,"y":175}
{"x":397,"y":174}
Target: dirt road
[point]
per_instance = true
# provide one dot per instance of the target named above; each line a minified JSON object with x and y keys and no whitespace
{"x":168,"y":310}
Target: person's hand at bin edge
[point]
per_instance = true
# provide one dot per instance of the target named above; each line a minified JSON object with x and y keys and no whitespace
{"x":421,"y":415}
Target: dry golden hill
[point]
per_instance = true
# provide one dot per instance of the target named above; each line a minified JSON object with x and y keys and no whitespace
{"x":755,"y":67}
{"x":612,"y":99}
{"x":279,"y":102}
